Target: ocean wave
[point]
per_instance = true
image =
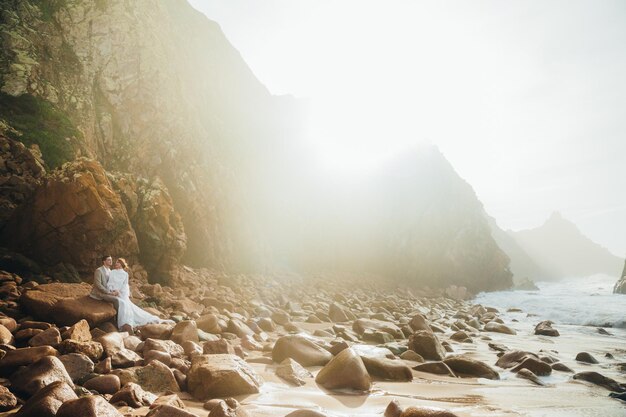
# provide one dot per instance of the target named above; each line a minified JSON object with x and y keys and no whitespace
{"x":585,"y":301}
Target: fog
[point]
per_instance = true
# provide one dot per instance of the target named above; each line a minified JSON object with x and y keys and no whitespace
{"x":525,"y":99}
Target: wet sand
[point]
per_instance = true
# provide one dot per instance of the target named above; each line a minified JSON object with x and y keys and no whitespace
{"x":509,"y":396}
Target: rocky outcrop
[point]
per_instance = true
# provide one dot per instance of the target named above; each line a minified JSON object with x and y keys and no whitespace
{"x":66,"y":304}
{"x":563,"y":251}
{"x":21,"y":171}
{"x":74,"y":217}
{"x":157,"y":224}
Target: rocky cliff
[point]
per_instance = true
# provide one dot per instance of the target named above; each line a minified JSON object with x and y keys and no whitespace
{"x":560,"y":249}
{"x":148,"y":88}
{"x":134,"y":127}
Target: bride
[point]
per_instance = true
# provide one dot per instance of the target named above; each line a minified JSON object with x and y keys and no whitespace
{"x":129,"y":315}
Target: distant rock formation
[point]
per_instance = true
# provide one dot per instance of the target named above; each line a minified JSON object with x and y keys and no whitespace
{"x":561,"y":250}
{"x":523,"y":266}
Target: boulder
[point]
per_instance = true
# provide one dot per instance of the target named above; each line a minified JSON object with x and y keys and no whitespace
{"x":133,"y":396}
{"x":534,"y":365}
{"x":220,"y":346}
{"x":78,"y":331}
{"x":88,"y":406}
{"x":104,"y":384}
{"x":47,"y":401}
{"x":71,"y":310}
{"x":437,"y":368}
{"x":601,"y":380}
{"x":25,"y":356}
{"x":6,"y":337}
{"x":513,"y":358}
{"x":409,"y":355}
{"x":496,"y":327}
{"x":111,"y":343}
{"x":387,"y":369}
{"x":586,"y":358}
{"x":362,"y":325}
{"x":529,"y":375}
{"x":184,"y":331}
{"x":161,"y":331}
{"x":228,"y":408}
{"x":7,"y":399}
{"x":45,"y":371}
{"x":50,"y":337}
{"x":221,"y":375}
{"x":427,"y":345}
{"x":419,"y":322}
{"x":174,"y":349}
{"x":125,"y":358}
{"x":39,"y":300}
{"x":209,"y":323}
{"x":73,"y":217}
{"x":338,"y":313}
{"x":559,"y":366}
{"x":344,"y":371}
{"x":464,"y":366}
{"x":544,"y":328}
{"x":92,"y":349}
{"x":292,"y":372}
{"x":238,"y":328}
{"x":301,"y":349}
{"x":154,"y":377}
{"x":77,"y":365}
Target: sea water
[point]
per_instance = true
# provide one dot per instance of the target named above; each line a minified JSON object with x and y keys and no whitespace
{"x":585,"y":301}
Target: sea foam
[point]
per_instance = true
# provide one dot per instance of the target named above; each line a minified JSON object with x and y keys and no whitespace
{"x":585,"y":301}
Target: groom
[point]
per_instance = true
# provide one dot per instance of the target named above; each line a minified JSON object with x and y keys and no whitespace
{"x":99,"y":290}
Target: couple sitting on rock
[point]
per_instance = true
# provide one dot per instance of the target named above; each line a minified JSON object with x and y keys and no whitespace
{"x":112,"y":286}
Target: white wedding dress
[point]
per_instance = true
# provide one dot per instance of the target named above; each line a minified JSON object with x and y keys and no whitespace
{"x":128,"y":312}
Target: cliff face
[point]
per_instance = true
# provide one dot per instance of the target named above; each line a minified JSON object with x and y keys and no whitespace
{"x":180,"y":155}
{"x":151,"y":88}
{"x":559,"y":248}
{"x":414,"y":221}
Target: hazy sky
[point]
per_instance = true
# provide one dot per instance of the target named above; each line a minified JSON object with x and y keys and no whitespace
{"x":526,"y":99}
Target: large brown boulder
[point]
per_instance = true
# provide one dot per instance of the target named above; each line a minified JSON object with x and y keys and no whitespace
{"x":301,"y":349}
{"x":427,"y":345}
{"x":345,"y":371}
{"x":66,"y":304}
{"x":362,"y":325}
{"x":387,"y":369}
{"x":89,"y":406}
{"x":221,"y":376}
{"x":73,"y":217}
{"x":47,"y":401}
{"x":154,"y":377}
{"x":25,"y":356}
{"x":292,"y":372}
{"x":465,"y":366}
{"x":45,"y":371}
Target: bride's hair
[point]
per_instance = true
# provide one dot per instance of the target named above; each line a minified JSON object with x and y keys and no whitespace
{"x":122,"y":261}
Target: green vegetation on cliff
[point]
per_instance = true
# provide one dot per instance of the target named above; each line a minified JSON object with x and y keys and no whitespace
{"x":39,"y":122}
